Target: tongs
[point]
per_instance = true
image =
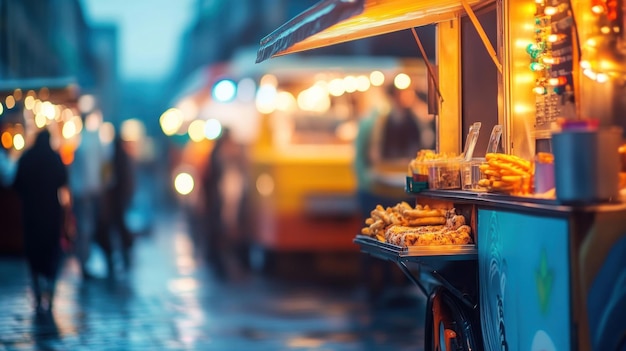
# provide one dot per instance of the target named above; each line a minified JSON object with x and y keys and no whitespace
{"x":470,"y":142}
{"x":494,"y":139}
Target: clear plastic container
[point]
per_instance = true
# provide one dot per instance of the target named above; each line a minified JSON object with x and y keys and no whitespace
{"x":444,"y":174}
{"x":471,"y":174}
{"x":419,"y":171}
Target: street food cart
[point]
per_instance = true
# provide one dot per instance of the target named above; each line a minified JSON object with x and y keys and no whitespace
{"x":545,"y":267}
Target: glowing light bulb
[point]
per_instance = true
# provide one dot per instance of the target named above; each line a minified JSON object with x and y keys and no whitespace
{"x":605,"y":30}
{"x":553,"y":38}
{"x":591,"y":42}
{"x":590,"y":74}
{"x":597,"y":9}
{"x":556,"y":81}
{"x":532,"y":47}
{"x":536,"y":66}
{"x":540,"y":90}
{"x":602,"y":77}
{"x":550,"y":10}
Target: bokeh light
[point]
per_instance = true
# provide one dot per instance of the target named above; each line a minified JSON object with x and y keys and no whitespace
{"x":336,"y":87}
{"x":10,"y":102}
{"x":183,"y":183}
{"x":196,"y":130}
{"x":265,"y":184}
{"x":266,"y":99}
{"x":29,"y":102}
{"x":132,"y":130}
{"x":362,"y":83}
{"x":18,"y":142}
{"x":285,"y":101}
{"x":7,"y":140}
{"x":106,"y":133}
{"x":224,"y":90}
{"x":350,"y":84}
{"x":171,"y":120}
{"x":377,"y":78}
{"x":212,"y":129}
{"x":246,"y":90}
{"x":69,"y":130}
{"x":402,"y":81}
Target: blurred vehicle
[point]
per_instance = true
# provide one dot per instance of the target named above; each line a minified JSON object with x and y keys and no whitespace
{"x":298,"y":117}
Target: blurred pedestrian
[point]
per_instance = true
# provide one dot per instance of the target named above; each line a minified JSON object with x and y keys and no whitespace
{"x":85,"y":180}
{"x":39,"y":178}
{"x":8,"y":167}
{"x":112,"y":229}
{"x":387,"y":140}
{"x":226,"y":190}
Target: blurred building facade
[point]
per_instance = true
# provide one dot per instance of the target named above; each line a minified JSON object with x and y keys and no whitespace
{"x":48,"y":48}
{"x":51,"y":41}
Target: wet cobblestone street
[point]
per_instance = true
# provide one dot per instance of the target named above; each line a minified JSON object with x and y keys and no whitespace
{"x":170,"y":301}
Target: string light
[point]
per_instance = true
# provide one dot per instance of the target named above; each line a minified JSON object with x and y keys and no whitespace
{"x":540,"y":90}
{"x":553,"y":38}
{"x":549,"y":60}
{"x":557,"y":81}
{"x":536,"y":66}
{"x":597,"y":9}
{"x":602,"y":77}
{"x":550,"y":10}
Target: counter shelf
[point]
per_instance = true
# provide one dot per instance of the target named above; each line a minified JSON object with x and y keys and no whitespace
{"x":416,"y":253}
{"x":427,"y":259}
{"x":518,"y":203}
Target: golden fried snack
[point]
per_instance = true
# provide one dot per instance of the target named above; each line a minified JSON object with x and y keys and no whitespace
{"x":404,"y":225}
{"x":507,"y":174}
{"x":427,"y":221}
{"x":416,"y":213}
{"x":512,"y":159}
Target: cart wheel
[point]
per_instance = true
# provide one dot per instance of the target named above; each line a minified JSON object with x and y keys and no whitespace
{"x":449,"y":326}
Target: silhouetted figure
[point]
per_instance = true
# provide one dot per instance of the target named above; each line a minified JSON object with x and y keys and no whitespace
{"x":386,"y":142}
{"x":7,"y":168}
{"x":119,"y":190}
{"x":85,"y":179}
{"x":225,"y":192}
{"x":40,"y":175}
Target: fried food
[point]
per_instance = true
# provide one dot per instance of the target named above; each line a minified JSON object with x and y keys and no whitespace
{"x":404,"y":225}
{"x":507,"y":174}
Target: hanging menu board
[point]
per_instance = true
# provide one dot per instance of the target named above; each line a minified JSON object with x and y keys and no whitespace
{"x":563,"y":54}
{"x":552,"y":58}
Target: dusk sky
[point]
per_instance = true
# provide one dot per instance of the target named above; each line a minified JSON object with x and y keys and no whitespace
{"x":149,"y":32}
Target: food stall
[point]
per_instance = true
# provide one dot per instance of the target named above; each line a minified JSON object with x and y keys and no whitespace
{"x":300,"y":153}
{"x":302,"y":159}
{"x":521,"y":247}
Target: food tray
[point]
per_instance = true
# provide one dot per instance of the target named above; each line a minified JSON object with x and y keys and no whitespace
{"x":394,"y":252}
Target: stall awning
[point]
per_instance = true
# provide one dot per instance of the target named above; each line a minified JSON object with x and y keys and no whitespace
{"x":336,"y":21}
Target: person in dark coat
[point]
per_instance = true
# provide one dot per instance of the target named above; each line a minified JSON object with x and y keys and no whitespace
{"x":39,"y":177}
{"x":225,"y":195}
{"x":117,"y":199}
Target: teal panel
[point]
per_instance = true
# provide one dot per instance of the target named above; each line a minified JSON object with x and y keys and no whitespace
{"x":524,"y":281}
